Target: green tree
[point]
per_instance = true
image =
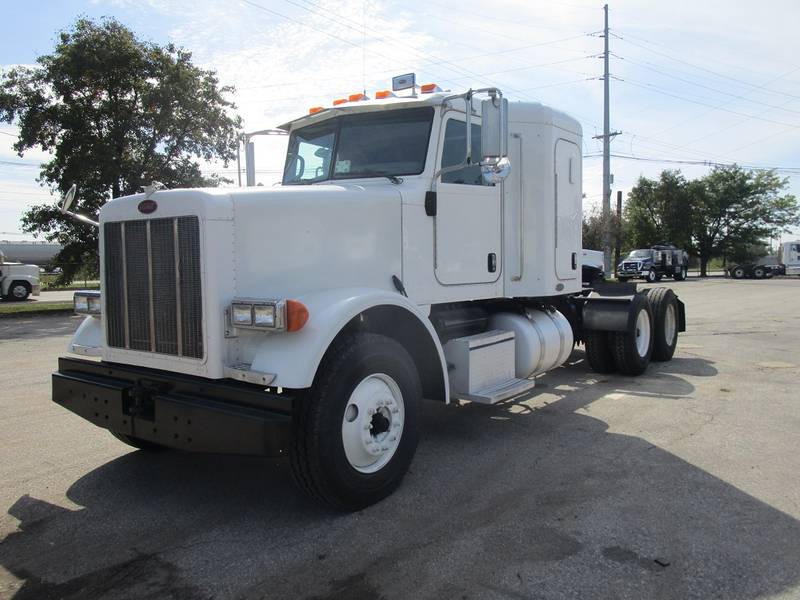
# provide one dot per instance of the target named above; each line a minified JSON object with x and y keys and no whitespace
{"x":660,"y":210}
{"x":594,"y":224}
{"x":735,"y":209}
{"x":116,"y":113}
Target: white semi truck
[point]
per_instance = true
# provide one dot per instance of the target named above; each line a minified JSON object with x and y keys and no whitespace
{"x":422,"y":244}
{"x":18,"y":281}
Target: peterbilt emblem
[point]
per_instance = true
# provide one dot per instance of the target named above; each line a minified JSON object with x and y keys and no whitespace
{"x":148,"y":206}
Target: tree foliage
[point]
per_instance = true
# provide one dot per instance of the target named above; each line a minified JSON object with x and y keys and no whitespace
{"x":735,"y":209}
{"x":116,"y":113}
{"x":660,"y":210}
{"x":728,"y":213}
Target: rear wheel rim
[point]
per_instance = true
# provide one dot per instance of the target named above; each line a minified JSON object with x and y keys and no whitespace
{"x":642,"y":333}
{"x":670,"y":324}
{"x":372,"y":423}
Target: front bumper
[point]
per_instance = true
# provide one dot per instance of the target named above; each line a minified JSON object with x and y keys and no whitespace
{"x":178,"y":411}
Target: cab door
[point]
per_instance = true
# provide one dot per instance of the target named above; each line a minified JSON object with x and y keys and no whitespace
{"x":467,"y":224}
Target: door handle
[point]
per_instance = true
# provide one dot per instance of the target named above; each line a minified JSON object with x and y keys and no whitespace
{"x":491,"y":262}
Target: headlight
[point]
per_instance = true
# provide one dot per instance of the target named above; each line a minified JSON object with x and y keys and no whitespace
{"x":242,"y":314}
{"x":88,"y":303}
{"x":264,"y":315}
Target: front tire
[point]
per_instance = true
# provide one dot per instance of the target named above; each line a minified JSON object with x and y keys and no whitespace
{"x":759,"y":273}
{"x":738,"y":272}
{"x":18,"y":291}
{"x":356,"y":430}
{"x":632,"y":349}
{"x":652,"y":276}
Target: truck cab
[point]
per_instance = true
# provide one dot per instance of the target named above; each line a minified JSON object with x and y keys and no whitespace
{"x":661,"y":260}
{"x":789,"y":257}
{"x":420,"y":245}
{"x":18,"y":281}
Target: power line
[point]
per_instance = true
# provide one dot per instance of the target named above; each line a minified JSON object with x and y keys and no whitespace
{"x":656,"y":89}
{"x":706,"y":163}
{"x":711,"y":71}
{"x":18,"y":164}
{"x":717,"y":90}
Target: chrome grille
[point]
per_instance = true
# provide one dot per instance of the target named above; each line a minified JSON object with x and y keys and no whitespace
{"x":152,"y":286}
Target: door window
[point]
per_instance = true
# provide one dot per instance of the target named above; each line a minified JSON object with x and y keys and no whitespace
{"x":454,"y":153}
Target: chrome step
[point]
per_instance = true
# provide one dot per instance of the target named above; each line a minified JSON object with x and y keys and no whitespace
{"x":499,"y":391}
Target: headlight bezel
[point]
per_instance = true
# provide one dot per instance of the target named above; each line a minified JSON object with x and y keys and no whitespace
{"x":88,"y":302}
{"x":254,"y":307}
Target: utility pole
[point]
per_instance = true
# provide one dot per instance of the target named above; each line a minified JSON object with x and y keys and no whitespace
{"x":606,"y":137}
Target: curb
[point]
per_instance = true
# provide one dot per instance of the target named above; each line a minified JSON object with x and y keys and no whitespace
{"x":36,"y":313}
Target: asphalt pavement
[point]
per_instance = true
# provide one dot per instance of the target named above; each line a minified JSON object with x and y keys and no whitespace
{"x":681,"y":483}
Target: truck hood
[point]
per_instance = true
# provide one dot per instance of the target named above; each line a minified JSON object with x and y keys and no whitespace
{"x":287,"y":240}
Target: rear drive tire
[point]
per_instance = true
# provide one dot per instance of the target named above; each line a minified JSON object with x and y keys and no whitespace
{"x":664,"y":305}
{"x":598,"y":351}
{"x":680,"y":275}
{"x":356,"y":430}
{"x":632,"y":349}
{"x":138,"y":442}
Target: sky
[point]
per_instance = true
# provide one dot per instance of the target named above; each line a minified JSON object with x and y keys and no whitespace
{"x":692,"y":82}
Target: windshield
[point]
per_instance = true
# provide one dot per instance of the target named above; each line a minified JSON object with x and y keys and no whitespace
{"x":362,"y":145}
{"x":639,"y":254}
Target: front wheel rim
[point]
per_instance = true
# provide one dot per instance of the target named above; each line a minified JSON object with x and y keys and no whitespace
{"x":19,"y":291}
{"x":372,"y":423}
{"x":642,"y":333}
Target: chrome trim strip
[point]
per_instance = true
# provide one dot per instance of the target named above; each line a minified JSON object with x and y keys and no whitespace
{"x":150,"y":289}
{"x":125,"y":285}
{"x":179,"y":312}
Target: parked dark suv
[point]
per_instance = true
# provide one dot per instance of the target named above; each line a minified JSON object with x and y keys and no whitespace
{"x":662,"y":260}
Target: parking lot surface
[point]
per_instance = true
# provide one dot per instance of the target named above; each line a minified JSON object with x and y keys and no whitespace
{"x":681,"y":483}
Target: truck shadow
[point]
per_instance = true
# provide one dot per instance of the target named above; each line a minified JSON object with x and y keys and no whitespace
{"x":531,"y":498}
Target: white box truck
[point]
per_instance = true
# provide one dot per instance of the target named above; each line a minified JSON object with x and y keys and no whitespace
{"x":422,"y":244}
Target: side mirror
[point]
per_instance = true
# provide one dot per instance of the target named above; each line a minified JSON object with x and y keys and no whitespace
{"x":495,"y":165}
{"x":68,"y":199}
{"x":66,"y":203}
{"x":494,"y":129}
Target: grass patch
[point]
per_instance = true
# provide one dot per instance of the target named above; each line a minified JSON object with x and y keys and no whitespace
{"x":25,"y":309}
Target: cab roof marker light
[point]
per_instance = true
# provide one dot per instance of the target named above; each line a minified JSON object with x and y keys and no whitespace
{"x":383,"y":94}
{"x":429,"y":88}
{"x":357,"y":97}
{"x":315,"y":109}
{"x":339,"y":101}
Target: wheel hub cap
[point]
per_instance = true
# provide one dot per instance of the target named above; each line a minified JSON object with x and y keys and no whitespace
{"x":670,"y":324}
{"x":642,"y":333}
{"x":372,"y":424}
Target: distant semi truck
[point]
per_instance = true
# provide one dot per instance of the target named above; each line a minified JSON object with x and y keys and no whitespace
{"x":786,"y":263}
